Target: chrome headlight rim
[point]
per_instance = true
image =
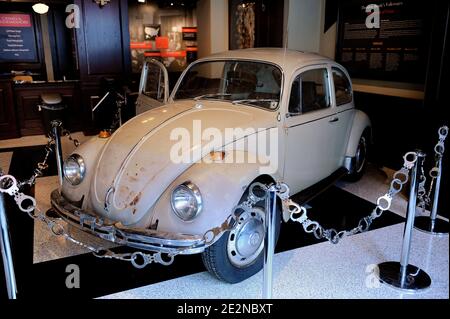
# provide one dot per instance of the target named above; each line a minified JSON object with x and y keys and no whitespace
{"x":75,"y":180}
{"x":194,"y":191}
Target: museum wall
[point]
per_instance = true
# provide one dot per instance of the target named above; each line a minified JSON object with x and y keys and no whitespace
{"x":413,"y":111}
{"x":212,"y":19}
{"x":304,"y":24}
{"x":149,"y":21}
{"x":303,"y":18}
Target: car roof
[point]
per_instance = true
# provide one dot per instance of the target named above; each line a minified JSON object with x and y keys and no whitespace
{"x":285,"y":58}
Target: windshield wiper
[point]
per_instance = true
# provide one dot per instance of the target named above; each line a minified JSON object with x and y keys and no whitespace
{"x":253,"y":101}
{"x":211,"y":95}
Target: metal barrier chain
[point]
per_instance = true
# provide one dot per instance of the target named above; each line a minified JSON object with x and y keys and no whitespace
{"x":439,"y":149}
{"x":65,"y":132}
{"x":298,"y":213}
{"x":9,"y":185}
{"x":231,"y":222}
{"x":41,"y":166}
{"x":422,"y":197}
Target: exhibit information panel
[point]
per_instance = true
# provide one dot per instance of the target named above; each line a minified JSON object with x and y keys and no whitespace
{"x":391,"y":46}
{"x":17,"y":38}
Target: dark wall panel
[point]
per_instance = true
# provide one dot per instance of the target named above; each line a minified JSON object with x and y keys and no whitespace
{"x":103,"y":40}
{"x":103,"y":36}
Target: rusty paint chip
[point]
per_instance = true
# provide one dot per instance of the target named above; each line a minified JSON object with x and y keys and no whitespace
{"x":136,"y":199}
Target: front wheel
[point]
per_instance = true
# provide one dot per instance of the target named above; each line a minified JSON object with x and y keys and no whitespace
{"x":239,"y":254}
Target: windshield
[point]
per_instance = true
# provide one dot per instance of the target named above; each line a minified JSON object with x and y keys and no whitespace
{"x":244,"y":82}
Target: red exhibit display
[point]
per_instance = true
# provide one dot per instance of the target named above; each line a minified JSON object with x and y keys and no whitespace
{"x":162,"y":43}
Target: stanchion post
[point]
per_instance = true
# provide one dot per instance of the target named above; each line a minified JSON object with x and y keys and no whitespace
{"x":410,"y":215}
{"x":5,"y":247}
{"x":436,"y":192}
{"x":401,"y":274}
{"x":269,"y":240}
{"x":56,"y":125}
{"x":433,"y":225}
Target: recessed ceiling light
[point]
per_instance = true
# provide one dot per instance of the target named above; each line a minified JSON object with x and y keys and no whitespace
{"x":40,"y":8}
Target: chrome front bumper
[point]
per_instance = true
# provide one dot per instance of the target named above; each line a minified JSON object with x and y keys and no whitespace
{"x":145,"y":239}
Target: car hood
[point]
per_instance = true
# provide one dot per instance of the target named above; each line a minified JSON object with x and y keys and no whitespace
{"x":135,"y":166}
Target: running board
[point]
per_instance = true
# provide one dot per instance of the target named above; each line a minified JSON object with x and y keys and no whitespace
{"x":309,"y":193}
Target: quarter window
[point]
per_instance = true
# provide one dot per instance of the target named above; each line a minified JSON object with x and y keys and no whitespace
{"x":154,"y":84}
{"x":310,"y":92}
{"x":342,"y":87}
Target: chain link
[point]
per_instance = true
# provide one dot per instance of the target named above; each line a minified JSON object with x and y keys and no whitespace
{"x":65,"y":133}
{"x":9,"y":185}
{"x":299,"y":213}
{"x":42,"y":166}
{"x":231,"y":222}
{"x":423,"y":196}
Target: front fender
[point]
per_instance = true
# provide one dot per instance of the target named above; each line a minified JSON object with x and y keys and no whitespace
{"x":221,"y":185}
{"x":361,"y":122}
{"x":90,"y":151}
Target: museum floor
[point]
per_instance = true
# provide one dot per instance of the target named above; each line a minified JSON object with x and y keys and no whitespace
{"x":303,"y":267}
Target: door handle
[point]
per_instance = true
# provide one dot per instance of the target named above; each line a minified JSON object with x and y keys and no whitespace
{"x":334,"y":119}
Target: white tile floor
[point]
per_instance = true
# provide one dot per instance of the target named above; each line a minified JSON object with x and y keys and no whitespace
{"x":322,"y":271}
{"x":317,"y":271}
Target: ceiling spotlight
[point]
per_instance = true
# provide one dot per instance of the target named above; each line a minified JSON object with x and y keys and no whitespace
{"x":141,"y":1}
{"x":40,"y":8}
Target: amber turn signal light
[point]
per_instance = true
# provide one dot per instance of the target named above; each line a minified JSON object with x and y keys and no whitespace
{"x":104,"y":134}
{"x":217,"y":155}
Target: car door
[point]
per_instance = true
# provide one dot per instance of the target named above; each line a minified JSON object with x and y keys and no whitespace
{"x":309,"y":129}
{"x":153,"y":86}
{"x":342,"y":98}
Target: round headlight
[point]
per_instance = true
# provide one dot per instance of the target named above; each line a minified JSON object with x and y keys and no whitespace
{"x":186,"y":201}
{"x":74,"y":169}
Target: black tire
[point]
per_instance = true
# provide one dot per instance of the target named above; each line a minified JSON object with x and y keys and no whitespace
{"x":216,"y":258}
{"x":361,"y":158}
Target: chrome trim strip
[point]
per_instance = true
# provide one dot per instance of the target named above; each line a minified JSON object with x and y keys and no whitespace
{"x":349,"y":164}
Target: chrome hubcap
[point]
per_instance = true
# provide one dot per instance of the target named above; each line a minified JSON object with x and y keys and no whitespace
{"x":245,"y":242}
{"x":361,"y":154}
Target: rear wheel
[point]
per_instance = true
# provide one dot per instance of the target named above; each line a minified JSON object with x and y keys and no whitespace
{"x":360,"y":159}
{"x":239,"y":254}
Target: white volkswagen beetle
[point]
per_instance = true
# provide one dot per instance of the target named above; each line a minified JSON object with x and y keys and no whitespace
{"x":159,"y":183}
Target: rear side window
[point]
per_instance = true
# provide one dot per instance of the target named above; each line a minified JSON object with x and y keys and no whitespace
{"x":342,"y":87}
{"x":310,"y":92}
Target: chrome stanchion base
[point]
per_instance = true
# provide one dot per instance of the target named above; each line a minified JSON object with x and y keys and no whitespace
{"x":437,"y":227}
{"x":416,"y":278}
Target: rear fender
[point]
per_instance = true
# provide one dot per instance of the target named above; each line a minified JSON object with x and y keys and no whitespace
{"x":361,"y":122}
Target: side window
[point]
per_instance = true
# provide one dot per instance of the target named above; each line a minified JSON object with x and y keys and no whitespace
{"x":310,"y":92}
{"x":154,"y":86}
{"x":314,"y":90}
{"x":342,"y":87}
{"x":294,"y":99}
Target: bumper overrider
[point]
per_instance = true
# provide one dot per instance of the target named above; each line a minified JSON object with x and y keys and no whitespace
{"x":145,"y":239}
